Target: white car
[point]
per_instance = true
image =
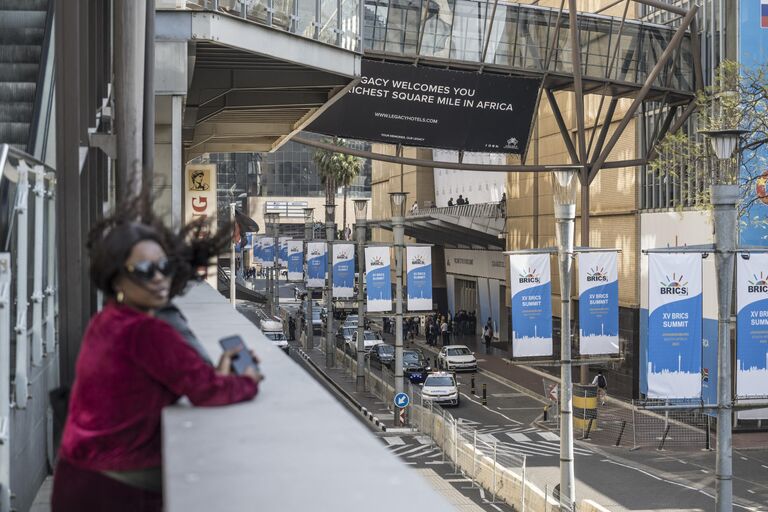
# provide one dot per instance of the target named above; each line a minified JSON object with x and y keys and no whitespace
{"x":440,"y":388}
{"x":278,"y":338}
{"x":370,"y":339}
{"x":456,"y":358}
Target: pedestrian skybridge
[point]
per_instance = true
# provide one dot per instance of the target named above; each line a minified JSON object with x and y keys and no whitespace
{"x":276,"y":65}
{"x":468,"y":226}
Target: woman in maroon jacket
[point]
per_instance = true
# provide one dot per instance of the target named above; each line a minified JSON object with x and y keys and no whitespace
{"x":131,"y":365}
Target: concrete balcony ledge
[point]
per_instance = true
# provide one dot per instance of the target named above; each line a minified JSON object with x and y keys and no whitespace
{"x":293,"y":448}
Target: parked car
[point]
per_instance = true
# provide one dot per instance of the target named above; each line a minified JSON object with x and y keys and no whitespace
{"x":441,"y":388}
{"x":381,"y":355}
{"x":415,"y":365}
{"x":456,"y":358}
{"x":370,"y":339}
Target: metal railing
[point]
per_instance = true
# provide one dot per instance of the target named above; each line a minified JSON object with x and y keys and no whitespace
{"x":335,"y":22}
{"x":485,"y":210}
{"x":27,"y":262}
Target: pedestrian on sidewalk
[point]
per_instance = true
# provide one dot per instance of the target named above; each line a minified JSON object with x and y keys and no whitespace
{"x":602,"y":386}
{"x":291,"y":329}
{"x":488,"y":334}
{"x":444,"y":332}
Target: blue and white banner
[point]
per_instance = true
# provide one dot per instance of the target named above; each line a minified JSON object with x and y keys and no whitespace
{"x":268,"y":251}
{"x":316,"y":263}
{"x":419,"y":277}
{"x":283,"y":255}
{"x":378,"y":280}
{"x":598,"y":303}
{"x":531,"y":289}
{"x":752,"y":330}
{"x":674,"y":325}
{"x":343,"y":271}
{"x":295,"y":260}
{"x":256,"y":249}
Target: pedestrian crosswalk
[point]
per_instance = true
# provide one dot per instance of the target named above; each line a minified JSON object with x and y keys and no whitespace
{"x":508,"y":440}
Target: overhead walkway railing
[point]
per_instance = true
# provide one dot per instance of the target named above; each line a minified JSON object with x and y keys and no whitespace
{"x":28,"y":298}
{"x":335,"y":22}
{"x":528,"y":39}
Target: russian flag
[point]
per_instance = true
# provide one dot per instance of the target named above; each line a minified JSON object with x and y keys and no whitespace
{"x":764,"y":13}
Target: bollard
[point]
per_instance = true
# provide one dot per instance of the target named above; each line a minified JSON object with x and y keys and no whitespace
{"x":621,"y":432}
{"x":666,"y":433}
{"x":709,"y":432}
{"x":472,"y":385}
{"x":546,"y":411}
{"x":589,"y":429}
{"x":485,"y":398}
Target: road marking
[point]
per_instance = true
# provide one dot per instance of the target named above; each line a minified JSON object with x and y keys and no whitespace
{"x":456,"y":480}
{"x":766,"y":467}
{"x":394,"y":441}
{"x":424,"y":439}
{"x":491,"y":410}
{"x":518,"y":437}
{"x":549,"y":436}
{"x":508,"y":395}
{"x":671,"y":482}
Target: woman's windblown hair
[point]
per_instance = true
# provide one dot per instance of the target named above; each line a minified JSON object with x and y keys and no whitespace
{"x":192,"y":249}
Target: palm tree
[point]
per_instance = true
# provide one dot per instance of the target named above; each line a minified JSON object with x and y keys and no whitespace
{"x":337,"y":169}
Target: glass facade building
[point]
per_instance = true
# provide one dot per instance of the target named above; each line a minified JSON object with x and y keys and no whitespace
{"x":291,"y":172}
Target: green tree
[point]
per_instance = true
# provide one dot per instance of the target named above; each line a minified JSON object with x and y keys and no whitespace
{"x":337,"y":170}
{"x":738,"y":98}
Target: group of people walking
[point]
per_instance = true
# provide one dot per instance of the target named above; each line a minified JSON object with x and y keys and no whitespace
{"x":460,"y":201}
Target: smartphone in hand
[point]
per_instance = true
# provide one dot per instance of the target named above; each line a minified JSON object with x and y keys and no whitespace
{"x":242,"y":359}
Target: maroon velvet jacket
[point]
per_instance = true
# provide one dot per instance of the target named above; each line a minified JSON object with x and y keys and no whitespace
{"x":130,"y":366}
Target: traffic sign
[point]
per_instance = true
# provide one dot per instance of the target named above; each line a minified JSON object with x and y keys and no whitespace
{"x":402,"y":400}
{"x":553,"y":391}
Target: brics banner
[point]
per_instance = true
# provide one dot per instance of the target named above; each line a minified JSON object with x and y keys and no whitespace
{"x":268,"y":251}
{"x":752,"y":330}
{"x":295,"y":249}
{"x":421,"y":106}
{"x":419,"y":277}
{"x":674,"y":325}
{"x":343,"y":271}
{"x":598,"y":303}
{"x":378,"y":280}
{"x":283,"y":255}
{"x":316,"y":264}
{"x":531,"y":289}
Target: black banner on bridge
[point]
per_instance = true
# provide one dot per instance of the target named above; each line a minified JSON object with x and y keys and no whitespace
{"x":420,"y":106}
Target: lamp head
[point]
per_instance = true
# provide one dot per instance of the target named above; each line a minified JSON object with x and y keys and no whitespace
{"x":397,"y":203}
{"x":724,"y":141}
{"x":309,"y":214}
{"x":330,"y":211}
{"x":361,"y":209}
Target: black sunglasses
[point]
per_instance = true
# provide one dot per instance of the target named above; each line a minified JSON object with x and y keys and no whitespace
{"x":145,"y":270}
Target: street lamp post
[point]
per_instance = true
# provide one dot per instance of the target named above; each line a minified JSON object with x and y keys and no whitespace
{"x":232,"y":262}
{"x":725,"y":194}
{"x":397,"y":204}
{"x":564,"y":184}
{"x":361,"y":210}
{"x":309,"y":330}
{"x":270,"y":221}
{"x":276,"y":265}
{"x":330,"y":232}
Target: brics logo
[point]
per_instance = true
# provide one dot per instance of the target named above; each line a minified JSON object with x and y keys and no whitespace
{"x":674,"y":286}
{"x":529,"y":276}
{"x":759,"y":285}
{"x":376,"y":262}
{"x":597,"y":275}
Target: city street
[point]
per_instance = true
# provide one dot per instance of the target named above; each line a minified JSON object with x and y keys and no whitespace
{"x":618,"y":478}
